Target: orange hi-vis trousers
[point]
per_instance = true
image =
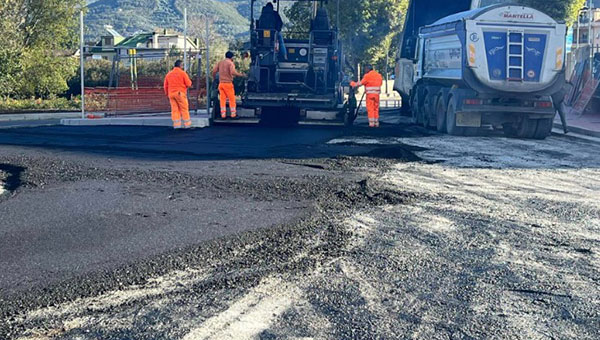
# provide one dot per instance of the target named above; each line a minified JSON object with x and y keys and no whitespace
{"x":373,"y":109}
{"x":180,"y":110}
{"x":227,"y":92}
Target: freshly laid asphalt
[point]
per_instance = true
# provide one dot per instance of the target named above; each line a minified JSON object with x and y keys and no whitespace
{"x":215,"y":143}
{"x":89,"y":200}
{"x":301,"y":232}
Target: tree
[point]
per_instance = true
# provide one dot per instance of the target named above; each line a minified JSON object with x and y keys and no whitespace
{"x":367,"y":28}
{"x":566,"y":10}
{"x":37,"y":37}
{"x":10,"y":50}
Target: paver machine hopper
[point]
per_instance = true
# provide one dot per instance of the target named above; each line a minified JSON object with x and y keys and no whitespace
{"x":295,"y":76}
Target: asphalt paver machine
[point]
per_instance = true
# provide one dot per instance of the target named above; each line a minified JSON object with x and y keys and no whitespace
{"x":295,"y":76}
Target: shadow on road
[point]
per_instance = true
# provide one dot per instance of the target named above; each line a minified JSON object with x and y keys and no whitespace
{"x":13,"y":180}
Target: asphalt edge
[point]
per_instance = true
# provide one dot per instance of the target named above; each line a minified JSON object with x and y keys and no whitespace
{"x":197,"y":122}
{"x":558,"y":132}
{"x":38,"y":116}
{"x":578,"y":130}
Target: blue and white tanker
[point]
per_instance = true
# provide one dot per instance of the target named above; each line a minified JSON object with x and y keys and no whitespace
{"x":466,"y":65}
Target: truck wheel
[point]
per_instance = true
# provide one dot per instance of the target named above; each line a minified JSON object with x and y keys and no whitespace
{"x":440,"y":113}
{"x":414,"y":109}
{"x":405,"y":108}
{"x":424,"y":119}
{"x":425,"y":111}
{"x":544,"y":128}
{"x":527,"y":128}
{"x":451,"y":127}
{"x":509,"y":130}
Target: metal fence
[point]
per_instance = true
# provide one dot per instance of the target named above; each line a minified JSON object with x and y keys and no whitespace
{"x":135,"y":78}
{"x":135,"y":86}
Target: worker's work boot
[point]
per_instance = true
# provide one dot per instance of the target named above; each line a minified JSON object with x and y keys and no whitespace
{"x":377,"y":123}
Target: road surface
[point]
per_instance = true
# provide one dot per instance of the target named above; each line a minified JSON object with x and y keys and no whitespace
{"x":296,"y":233}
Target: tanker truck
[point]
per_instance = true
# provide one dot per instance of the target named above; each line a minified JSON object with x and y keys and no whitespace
{"x":467,"y":65}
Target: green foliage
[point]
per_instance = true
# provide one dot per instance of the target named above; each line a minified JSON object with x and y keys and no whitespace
{"x":37,"y":36}
{"x":129,"y":16}
{"x":43,"y":74}
{"x":96,"y":73}
{"x":10,"y":48}
{"x":62,"y":104}
{"x":298,"y":15}
{"x":367,"y":28}
{"x":566,"y":10}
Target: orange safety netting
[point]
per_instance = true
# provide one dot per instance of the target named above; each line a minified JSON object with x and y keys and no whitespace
{"x":149,"y":97}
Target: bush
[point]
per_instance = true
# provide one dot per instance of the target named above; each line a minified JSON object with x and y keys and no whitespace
{"x":16,"y":105}
{"x":97,"y":74}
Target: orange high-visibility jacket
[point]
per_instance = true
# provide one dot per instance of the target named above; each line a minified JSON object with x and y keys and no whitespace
{"x":226,"y":70}
{"x":177,"y":81}
{"x":372,"y":82}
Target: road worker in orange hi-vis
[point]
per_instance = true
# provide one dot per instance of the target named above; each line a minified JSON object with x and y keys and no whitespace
{"x":227,"y":71}
{"x":372,"y":82}
{"x":176,"y":84}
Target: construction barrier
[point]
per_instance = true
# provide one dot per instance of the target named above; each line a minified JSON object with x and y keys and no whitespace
{"x":125,"y":100}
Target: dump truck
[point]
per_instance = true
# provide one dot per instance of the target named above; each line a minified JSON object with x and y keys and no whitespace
{"x":295,"y":76}
{"x":465,"y":65}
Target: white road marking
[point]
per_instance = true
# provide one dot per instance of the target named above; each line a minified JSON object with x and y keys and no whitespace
{"x":71,"y":313}
{"x":2,"y":184}
{"x":252,"y":314}
{"x":356,"y":140}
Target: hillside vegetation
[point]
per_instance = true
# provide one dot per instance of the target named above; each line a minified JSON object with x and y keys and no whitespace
{"x":131,"y":16}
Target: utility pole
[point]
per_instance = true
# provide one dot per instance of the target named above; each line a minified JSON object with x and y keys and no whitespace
{"x":207,"y":68}
{"x":387,"y":77}
{"x":578,"y":24}
{"x":337,"y":17}
{"x":591,"y":34}
{"x":590,"y":23}
{"x":82,"y":64}
{"x":185,"y":24}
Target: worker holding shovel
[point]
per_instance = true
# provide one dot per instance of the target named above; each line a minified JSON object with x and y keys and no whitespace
{"x":372,"y":82}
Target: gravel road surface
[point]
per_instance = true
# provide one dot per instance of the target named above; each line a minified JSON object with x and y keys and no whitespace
{"x":296,"y":233}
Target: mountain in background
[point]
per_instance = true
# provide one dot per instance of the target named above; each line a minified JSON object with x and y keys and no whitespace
{"x":230,"y":17}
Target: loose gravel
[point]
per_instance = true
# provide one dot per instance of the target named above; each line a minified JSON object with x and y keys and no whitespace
{"x":464,"y":238}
